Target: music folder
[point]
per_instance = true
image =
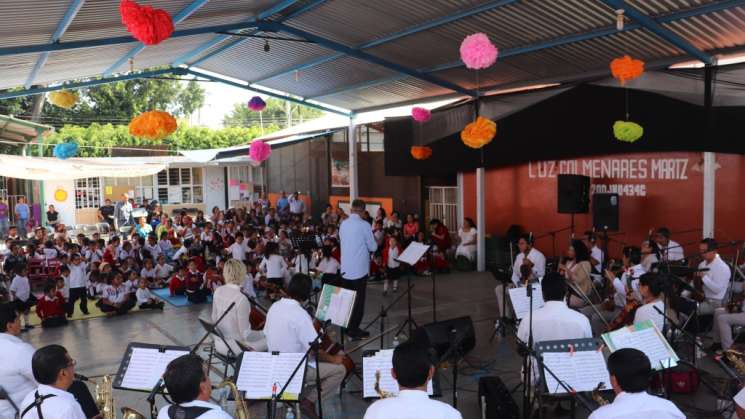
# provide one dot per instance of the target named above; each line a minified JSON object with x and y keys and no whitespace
{"x":261,"y":375}
{"x":413,"y":253}
{"x":645,"y":337}
{"x":143,"y":365}
{"x":336,"y":304}
{"x":579,"y":363}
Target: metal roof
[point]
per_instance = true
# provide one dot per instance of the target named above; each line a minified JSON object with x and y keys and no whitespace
{"x":364,"y":55}
{"x":19,"y":130}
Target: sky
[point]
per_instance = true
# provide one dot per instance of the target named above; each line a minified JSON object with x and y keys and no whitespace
{"x":219,"y":101}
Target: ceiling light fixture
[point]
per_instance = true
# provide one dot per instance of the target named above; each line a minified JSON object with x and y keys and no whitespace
{"x":619,"y":19}
{"x":266,"y":46}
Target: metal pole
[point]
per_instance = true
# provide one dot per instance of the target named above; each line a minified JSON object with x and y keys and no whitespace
{"x":42,"y":203}
{"x":480,"y":221}
{"x":354,"y":192}
{"x":709,"y":204}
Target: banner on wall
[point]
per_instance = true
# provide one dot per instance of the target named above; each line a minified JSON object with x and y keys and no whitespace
{"x":340,"y":173}
{"x":624,"y":176}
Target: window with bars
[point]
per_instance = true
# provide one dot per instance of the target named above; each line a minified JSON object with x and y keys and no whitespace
{"x":87,"y":193}
{"x":180,"y":186}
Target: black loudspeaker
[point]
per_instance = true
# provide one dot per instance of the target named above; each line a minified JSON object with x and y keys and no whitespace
{"x":495,"y":400}
{"x":440,"y":335}
{"x":573,"y":194}
{"x":605,"y":211}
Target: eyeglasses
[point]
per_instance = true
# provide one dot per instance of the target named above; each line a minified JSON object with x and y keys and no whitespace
{"x":72,"y":363}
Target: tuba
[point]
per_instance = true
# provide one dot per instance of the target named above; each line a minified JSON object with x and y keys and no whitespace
{"x":105,"y":400}
{"x":241,"y":411}
{"x":381,"y":393}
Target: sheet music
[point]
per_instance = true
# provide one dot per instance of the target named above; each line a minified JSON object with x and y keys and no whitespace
{"x":261,"y":373}
{"x":382,"y":361}
{"x":581,"y":370}
{"x":645,"y":337}
{"x":336,"y":304}
{"x":521,"y":301}
{"x":413,"y":253}
{"x":146,"y":366}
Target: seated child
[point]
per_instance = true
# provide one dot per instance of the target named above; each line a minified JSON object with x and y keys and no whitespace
{"x":146,"y":299}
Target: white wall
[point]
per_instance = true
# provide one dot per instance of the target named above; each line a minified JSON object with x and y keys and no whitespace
{"x":214,"y":188}
{"x":66,"y":208}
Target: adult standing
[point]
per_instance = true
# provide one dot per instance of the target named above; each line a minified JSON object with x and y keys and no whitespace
{"x":16,"y":376}
{"x":283,"y":205}
{"x":52,"y":216}
{"x":4,"y":217}
{"x":106,"y":213}
{"x":123,"y":213}
{"x":297,"y":206}
{"x":357,"y":242}
{"x":23,"y":213}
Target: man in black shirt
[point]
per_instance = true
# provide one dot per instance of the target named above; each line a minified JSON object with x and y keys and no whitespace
{"x":106,"y":213}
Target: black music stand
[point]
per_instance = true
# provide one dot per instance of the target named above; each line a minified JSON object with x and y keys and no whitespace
{"x":410,"y":256}
{"x":128,"y":362}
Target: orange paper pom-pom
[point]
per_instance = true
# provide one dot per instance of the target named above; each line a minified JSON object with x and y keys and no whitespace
{"x":479,"y":132}
{"x":626,"y":68}
{"x":153,"y":125}
{"x":421,"y":152}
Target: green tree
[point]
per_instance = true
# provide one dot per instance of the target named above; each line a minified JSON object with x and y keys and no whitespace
{"x":274,"y":113}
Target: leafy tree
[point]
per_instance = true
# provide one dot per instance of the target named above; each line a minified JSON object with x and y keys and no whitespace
{"x":274,"y":113}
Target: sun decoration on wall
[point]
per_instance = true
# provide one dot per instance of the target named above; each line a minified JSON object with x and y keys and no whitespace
{"x":60,"y":195}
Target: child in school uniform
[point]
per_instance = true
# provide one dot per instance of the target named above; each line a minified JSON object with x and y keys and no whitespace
{"x":20,"y":292}
{"x":51,"y":307}
{"x":146,"y":299}
{"x":392,"y":266}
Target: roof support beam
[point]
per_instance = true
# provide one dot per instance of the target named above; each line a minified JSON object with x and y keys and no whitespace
{"x":88,"y":83}
{"x":659,"y":30}
{"x":67,"y":19}
{"x":180,"y":17}
{"x":494,"y":4}
{"x":263,"y":91}
{"x":184,"y":59}
{"x":327,"y":43}
{"x":569,"y":39}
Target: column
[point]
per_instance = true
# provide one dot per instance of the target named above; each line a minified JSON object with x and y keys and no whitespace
{"x":709,"y":193}
{"x":353,"y":172}
{"x":480,"y":221}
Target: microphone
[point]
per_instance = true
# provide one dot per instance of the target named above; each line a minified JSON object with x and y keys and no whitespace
{"x":81,"y":377}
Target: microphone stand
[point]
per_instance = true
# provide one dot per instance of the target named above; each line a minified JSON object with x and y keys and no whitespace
{"x":313,"y":346}
{"x":553,"y":235}
{"x":454,"y":350}
{"x":158,"y":388}
{"x":527,"y":362}
{"x":384,"y":313}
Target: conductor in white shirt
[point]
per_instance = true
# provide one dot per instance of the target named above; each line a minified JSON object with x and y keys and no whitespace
{"x":357,"y":242}
{"x":54,"y":370}
{"x":412,"y":370}
{"x":189,"y":386}
{"x":16,"y":376}
{"x":629,"y":371}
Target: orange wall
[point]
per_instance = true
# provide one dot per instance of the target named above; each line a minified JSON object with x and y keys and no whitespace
{"x":386,"y":203}
{"x":526,"y":195}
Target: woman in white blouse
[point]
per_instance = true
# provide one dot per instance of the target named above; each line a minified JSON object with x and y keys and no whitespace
{"x":467,"y":246}
{"x":235,"y":326}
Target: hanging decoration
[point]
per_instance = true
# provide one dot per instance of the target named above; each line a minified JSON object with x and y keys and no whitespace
{"x":259,"y":151}
{"x":63,"y":99}
{"x":421,"y":115}
{"x":146,"y":24}
{"x":479,"y":132}
{"x":626,"y":68}
{"x":256,"y":104}
{"x":153,"y":125}
{"x":477,"y":52}
{"x":421,"y":152}
{"x":64,"y":151}
{"x":627,"y":131}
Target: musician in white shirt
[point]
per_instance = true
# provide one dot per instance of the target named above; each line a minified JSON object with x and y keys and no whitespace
{"x":188,"y":383}
{"x":289,"y":328}
{"x":669,"y":250}
{"x":54,"y":370}
{"x":650,"y":286}
{"x":629,"y":371}
{"x":714,"y":281}
{"x":413,"y":371}
{"x":528,"y":255}
{"x":16,"y":376}
{"x":235,"y":327}
{"x":596,"y":255}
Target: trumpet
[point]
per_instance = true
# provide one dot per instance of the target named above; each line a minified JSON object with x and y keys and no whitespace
{"x":381,"y":393}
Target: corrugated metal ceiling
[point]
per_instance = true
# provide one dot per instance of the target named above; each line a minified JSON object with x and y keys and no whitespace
{"x":353,"y":83}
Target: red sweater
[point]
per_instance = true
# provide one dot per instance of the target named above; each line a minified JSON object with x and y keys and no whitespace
{"x":47,"y":308}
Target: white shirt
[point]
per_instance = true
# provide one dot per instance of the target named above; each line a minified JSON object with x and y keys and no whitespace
{"x":555,"y":321}
{"x":638,"y":406}
{"x":115,"y":295}
{"x":539,"y":264}
{"x":148,"y":273}
{"x":329,"y":265}
{"x":647,"y":312}
{"x":21,"y":287}
{"x":238,"y":251}
{"x":215,"y":411}
{"x":411,"y":404}
{"x":297,"y":206}
{"x":597,"y":254}
{"x":163,"y":271}
{"x":62,"y":406}
{"x":716,"y":280}
{"x":16,"y":376}
{"x":247,"y":287}
{"x":357,"y":242}
{"x":93,"y":256}
{"x":274,"y":266}
{"x":288,"y":327}
{"x":633,"y":274}
{"x":673,"y":251}
{"x":144,"y":295}
{"x":236,"y":324}
{"x":392,"y":255}
{"x":77,"y":275}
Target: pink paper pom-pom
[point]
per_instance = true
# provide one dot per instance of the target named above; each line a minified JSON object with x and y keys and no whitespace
{"x":256,"y":104}
{"x":259,"y":150}
{"x":421,"y":114}
{"x":477,"y":51}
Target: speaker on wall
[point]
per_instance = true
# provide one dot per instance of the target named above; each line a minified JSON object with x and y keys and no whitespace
{"x":573,"y":194}
{"x":605,"y":211}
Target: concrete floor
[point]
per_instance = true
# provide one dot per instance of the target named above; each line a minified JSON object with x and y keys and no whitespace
{"x":99,"y":344}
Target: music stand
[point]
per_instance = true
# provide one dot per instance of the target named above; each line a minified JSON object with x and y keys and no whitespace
{"x":143,"y":364}
{"x":410,"y":256}
{"x":382,"y":360}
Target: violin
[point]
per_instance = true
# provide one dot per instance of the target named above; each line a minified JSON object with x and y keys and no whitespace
{"x":626,"y":316}
{"x":332,"y":348}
